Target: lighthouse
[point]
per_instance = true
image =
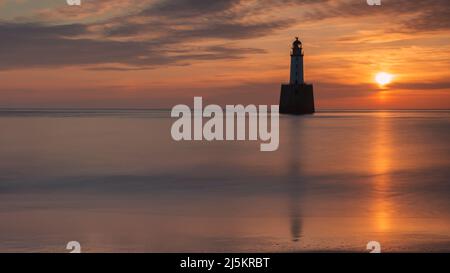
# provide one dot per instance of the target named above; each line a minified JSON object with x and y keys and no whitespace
{"x":297,"y":63}
{"x":297,"y":97}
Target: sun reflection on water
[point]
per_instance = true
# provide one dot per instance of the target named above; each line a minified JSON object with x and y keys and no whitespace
{"x":381,"y":168}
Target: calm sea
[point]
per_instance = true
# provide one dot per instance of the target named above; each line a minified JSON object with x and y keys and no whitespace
{"x":114,"y":180}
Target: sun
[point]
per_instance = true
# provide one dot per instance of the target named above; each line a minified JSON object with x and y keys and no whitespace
{"x":383,"y":78}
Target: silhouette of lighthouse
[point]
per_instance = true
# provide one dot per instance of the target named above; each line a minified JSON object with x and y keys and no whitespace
{"x":297,"y":63}
{"x":297,"y":97}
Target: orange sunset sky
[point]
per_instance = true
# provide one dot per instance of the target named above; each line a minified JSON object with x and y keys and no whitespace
{"x":158,"y":53}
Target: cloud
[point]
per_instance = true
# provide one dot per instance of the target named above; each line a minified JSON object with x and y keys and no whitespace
{"x":215,"y":30}
{"x":404,"y":15}
{"x":188,"y":8}
{"x":153,"y":37}
{"x":162,"y":31}
{"x":421,"y":85}
{"x":197,"y":20}
{"x":35,"y":45}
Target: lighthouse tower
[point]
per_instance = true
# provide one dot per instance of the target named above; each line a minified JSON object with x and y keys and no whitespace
{"x":297,"y":97}
{"x":297,"y":63}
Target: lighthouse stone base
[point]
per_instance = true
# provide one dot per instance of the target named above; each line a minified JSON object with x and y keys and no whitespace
{"x":297,"y":99}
